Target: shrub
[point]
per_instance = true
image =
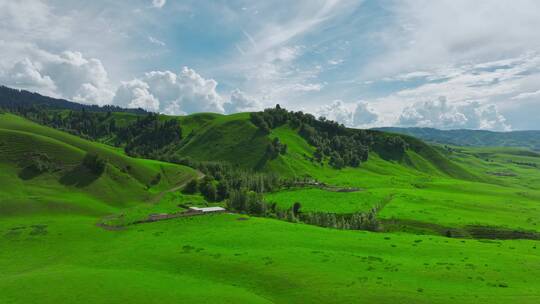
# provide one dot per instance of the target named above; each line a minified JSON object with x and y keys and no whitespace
{"x":191,"y":187}
{"x":94,"y":163}
{"x":296,"y":208}
{"x":39,"y":162}
{"x":156,"y":180}
{"x":208,"y":190}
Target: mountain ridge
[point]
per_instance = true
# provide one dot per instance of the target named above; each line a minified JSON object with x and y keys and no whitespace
{"x":468,"y":137}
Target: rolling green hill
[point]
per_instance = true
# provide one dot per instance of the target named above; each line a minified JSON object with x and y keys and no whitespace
{"x":68,"y":186}
{"x":424,"y":190}
{"x":224,"y":138}
{"x":232,"y":138}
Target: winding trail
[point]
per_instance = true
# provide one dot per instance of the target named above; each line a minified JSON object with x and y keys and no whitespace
{"x":158,"y":197}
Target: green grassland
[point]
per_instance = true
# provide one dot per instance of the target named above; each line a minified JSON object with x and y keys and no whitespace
{"x":321,"y":200}
{"x":52,"y":248}
{"x":424,"y":189}
{"x":221,"y":259}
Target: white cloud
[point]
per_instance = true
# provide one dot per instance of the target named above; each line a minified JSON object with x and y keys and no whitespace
{"x":158,"y":3}
{"x":198,"y":94}
{"x":426,"y":33}
{"x":90,"y":94}
{"x":444,"y":115}
{"x":31,"y":20}
{"x":357,"y":114}
{"x":167,"y":92}
{"x":26,"y":74}
{"x":241,"y":102}
{"x":363,"y":115}
{"x":527,"y":95}
{"x":302,"y":17}
{"x":268,"y":66}
{"x":156,"y":41}
{"x":336,"y":111}
{"x":71,"y":70}
{"x":135,"y":94}
{"x":335,"y":61}
{"x":68,"y":75}
{"x":507,"y":83}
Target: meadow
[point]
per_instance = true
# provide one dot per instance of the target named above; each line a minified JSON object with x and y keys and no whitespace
{"x":52,"y":236}
{"x":232,"y":258}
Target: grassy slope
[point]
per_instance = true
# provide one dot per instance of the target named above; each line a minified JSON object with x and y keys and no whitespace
{"x":72,"y":188}
{"x":424,"y":191}
{"x":220,"y":259}
{"x":231,"y":138}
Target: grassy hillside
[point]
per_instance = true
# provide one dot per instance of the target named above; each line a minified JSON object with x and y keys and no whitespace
{"x":231,"y":138}
{"x":427,"y":191}
{"x":224,"y":138}
{"x":70,"y":187}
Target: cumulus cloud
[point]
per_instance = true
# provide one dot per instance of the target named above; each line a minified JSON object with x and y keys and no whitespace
{"x":158,"y":3}
{"x":73,"y":74}
{"x":91,"y":94}
{"x":167,"y":92}
{"x":353,"y":115}
{"x":363,"y":115}
{"x":27,"y":74}
{"x":135,"y":94}
{"x":337,"y":111}
{"x":241,"y":102}
{"x":68,"y":75}
{"x":444,"y":115}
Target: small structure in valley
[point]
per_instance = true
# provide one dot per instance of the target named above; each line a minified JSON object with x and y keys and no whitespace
{"x":206,"y":209}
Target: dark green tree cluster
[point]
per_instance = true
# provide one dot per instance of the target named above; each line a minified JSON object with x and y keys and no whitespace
{"x":94,"y":163}
{"x":208,"y":188}
{"x":220,"y":179}
{"x":275,"y":148}
{"x":341,"y":146}
{"x":39,"y":162}
{"x":90,"y":125}
{"x":355,"y":221}
{"x":148,"y":135}
{"x":390,"y":146}
{"x":247,"y":202}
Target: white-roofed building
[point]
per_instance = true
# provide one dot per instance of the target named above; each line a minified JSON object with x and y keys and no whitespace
{"x":206,"y":209}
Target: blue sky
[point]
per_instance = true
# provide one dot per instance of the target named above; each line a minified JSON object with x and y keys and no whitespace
{"x":445,"y":64}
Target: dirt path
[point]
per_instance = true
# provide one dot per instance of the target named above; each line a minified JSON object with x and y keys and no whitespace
{"x":158,"y":197}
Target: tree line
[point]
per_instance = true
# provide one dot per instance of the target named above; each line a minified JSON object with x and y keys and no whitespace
{"x":221,"y":179}
{"x":141,"y":135}
{"x":253,"y":203}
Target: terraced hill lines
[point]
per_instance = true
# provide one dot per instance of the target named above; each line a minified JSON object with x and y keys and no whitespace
{"x":67,"y":184}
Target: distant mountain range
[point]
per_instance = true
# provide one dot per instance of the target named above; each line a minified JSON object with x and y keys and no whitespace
{"x":529,"y":139}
